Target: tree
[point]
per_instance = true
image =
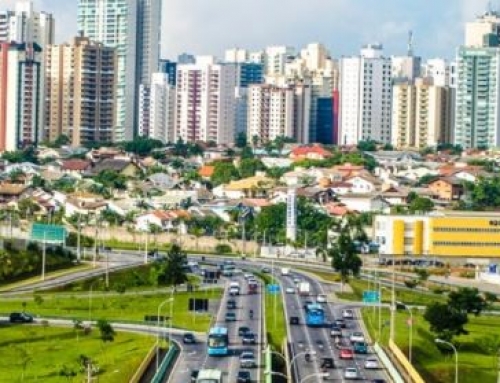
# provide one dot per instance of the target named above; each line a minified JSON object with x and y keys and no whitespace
{"x":467,"y":300}
{"x":241,"y":140}
{"x":26,"y":155}
{"x":345,"y":259}
{"x":425,"y":180}
{"x":367,"y":146}
{"x":61,"y":140}
{"x":224,"y":172}
{"x":111,"y":179}
{"x":421,"y":205}
{"x":423,"y":274}
{"x":142,"y":146}
{"x":249,"y":166}
{"x":171,"y":271}
{"x":106,"y":330}
{"x":445,"y":321}
{"x":247,"y":152}
{"x":68,"y":372}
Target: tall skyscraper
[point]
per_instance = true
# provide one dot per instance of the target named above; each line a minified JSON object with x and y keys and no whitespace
{"x":133,"y":28}
{"x":162,"y":108}
{"x":421,"y":114}
{"x":80,"y":91}
{"x":20,"y":95}
{"x":365,"y":97}
{"x":24,"y":24}
{"x":205,"y":107}
{"x":477,"y":110}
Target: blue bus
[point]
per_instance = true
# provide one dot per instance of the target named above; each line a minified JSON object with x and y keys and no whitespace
{"x":218,"y":341}
{"x":315,"y":315}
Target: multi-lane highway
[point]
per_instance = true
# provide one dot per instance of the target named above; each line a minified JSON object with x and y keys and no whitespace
{"x":194,"y":357}
{"x":316,"y":341}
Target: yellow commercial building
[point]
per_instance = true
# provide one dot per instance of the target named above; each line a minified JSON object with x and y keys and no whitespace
{"x":444,"y":234}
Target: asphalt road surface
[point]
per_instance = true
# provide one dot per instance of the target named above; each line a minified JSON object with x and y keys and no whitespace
{"x":194,"y":357}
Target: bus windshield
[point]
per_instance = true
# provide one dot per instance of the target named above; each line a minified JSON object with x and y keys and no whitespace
{"x":217,"y":341}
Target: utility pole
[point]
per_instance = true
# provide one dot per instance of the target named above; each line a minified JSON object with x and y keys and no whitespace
{"x":44,"y":254}
{"x":79,"y":249}
{"x":95,"y":241}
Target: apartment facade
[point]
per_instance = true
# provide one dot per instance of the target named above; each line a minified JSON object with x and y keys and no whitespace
{"x":132,"y":27}
{"x":21,"y":102}
{"x":205,"y":101}
{"x":162,"y":108}
{"x":80,"y":79}
{"x":365,"y":97}
{"x":421,"y":114}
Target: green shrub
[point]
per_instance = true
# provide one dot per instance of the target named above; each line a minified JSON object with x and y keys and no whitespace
{"x":223,"y":248}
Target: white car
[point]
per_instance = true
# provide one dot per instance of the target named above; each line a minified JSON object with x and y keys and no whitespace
{"x":248,"y":276}
{"x":290,"y":290}
{"x":351,"y":373}
{"x":357,"y":337}
{"x":347,"y":314}
{"x":321,"y":298}
{"x":372,"y":364}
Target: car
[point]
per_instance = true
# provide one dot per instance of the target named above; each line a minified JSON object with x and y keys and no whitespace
{"x":340,"y":323}
{"x":231,"y":304}
{"x":20,"y":318}
{"x":294,"y":320}
{"x":249,"y":338}
{"x":346,"y":353}
{"x":360,"y":348}
{"x":297,"y":280}
{"x":266,"y":270}
{"x":188,"y":338}
{"x":347,"y":314}
{"x":351,"y":373}
{"x":194,"y":375}
{"x":242,"y":330}
{"x":290,"y":290}
{"x":335,"y":331}
{"x":247,"y":359}
{"x":327,"y":363}
{"x":244,"y":377}
{"x":321,"y":298}
{"x":371,"y":364}
{"x":357,"y":337}
{"x":230,"y":317}
{"x":248,"y":276}
{"x":378,"y":381}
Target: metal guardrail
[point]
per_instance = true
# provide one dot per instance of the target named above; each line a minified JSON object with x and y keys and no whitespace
{"x":166,"y":363}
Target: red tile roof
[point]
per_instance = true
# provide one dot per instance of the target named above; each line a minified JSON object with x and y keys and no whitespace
{"x":206,"y":171}
{"x":75,"y":165}
{"x":303,"y":151}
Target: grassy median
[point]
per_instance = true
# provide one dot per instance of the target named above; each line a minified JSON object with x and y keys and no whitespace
{"x":127,"y":307}
{"x":49,"y":354}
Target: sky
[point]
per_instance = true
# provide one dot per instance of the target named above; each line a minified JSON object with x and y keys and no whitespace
{"x":343,"y":26}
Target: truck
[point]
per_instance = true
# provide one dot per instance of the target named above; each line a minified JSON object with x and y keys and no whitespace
{"x":304,"y":288}
{"x":285,"y":271}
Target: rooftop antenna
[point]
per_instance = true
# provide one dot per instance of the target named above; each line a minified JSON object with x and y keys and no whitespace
{"x":410,"y":43}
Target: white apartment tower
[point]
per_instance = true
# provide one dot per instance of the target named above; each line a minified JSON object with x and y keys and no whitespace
{"x":205,"y":107}
{"x":365,"y":97}
{"x":133,"y":28}
{"x":276,"y":58}
{"x":278,"y":111}
{"x":26,"y":25}
{"x":162,"y":108}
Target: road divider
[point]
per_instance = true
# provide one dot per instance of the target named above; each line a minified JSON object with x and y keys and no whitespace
{"x":386,"y":361}
{"x":405,"y":363}
{"x":167,"y":363}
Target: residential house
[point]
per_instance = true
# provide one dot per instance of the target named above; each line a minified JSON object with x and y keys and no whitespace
{"x":447,"y":188}
{"x":166,"y":220}
{"x":102,"y":153}
{"x":83,"y":203}
{"x":163,"y":181}
{"x":364,"y":183}
{"x":76,"y":167}
{"x":365,"y":202}
{"x":23,"y":167}
{"x":348,"y":170}
{"x":341,"y":187}
{"x":320,"y":195}
{"x":395,"y":196}
{"x":337,"y":209}
{"x":257,"y":186}
{"x":206,"y":171}
{"x":125,"y":167}
{"x":10,"y":192}
{"x":312,"y":152}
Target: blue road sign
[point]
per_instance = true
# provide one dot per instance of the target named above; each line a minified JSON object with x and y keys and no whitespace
{"x":273,"y":289}
{"x":48,"y":233}
{"x":371,"y":296}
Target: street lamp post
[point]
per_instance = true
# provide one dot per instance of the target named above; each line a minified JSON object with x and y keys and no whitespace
{"x":158,"y":331}
{"x":318,"y":374}
{"x":44,"y":254}
{"x":312,"y":352}
{"x":393,"y":298}
{"x":410,"y":348}
{"x":440,"y":341}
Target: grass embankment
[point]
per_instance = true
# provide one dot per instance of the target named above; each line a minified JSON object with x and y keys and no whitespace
{"x":128,"y":307}
{"x":46,"y":351}
{"x":478,"y":356}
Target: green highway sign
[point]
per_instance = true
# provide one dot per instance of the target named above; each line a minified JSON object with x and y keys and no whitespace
{"x":371,"y":296}
{"x":48,"y":233}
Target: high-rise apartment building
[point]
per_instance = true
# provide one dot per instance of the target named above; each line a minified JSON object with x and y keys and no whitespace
{"x":276,"y":58}
{"x":170,"y":68}
{"x":365,"y":97}
{"x":80,"y":91}
{"x":421,"y":114}
{"x":205,"y":107}
{"x":21,"y":100}
{"x":133,"y":28}
{"x":24,"y":24}
{"x":278,"y":111}
{"x":162,"y":108}
{"x":477,"y":109}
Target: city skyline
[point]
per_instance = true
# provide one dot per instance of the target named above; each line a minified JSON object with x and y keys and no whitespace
{"x":199,"y":26}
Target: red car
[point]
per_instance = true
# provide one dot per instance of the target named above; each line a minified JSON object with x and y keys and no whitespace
{"x":346,"y":353}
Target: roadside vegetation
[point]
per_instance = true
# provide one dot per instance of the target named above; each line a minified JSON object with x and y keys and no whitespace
{"x":52,"y":355}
